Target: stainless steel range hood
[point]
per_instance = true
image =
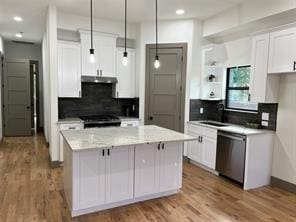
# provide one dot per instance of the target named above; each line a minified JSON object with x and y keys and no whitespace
{"x":99,"y":79}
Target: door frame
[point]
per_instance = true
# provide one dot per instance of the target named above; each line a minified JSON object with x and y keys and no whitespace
{"x":184,"y":47}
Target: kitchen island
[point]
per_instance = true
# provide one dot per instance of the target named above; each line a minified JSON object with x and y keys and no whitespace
{"x":110,"y":167}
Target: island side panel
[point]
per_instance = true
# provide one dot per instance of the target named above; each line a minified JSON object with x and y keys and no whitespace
{"x":259,"y":152}
{"x":67,"y":173}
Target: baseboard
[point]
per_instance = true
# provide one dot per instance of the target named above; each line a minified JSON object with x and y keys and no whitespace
{"x":283,"y":184}
{"x":54,"y":164}
{"x":203,"y":167}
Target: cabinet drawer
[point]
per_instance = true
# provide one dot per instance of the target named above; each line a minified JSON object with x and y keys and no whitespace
{"x":73,"y":126}
{"x":202,"y":131}
{"x":129,"y":123}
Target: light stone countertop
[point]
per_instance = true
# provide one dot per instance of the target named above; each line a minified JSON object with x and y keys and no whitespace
{"x":233,"y":128}
{"x":112,"y":137}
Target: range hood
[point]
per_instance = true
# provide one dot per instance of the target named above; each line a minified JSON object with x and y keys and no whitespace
{"x":99,"y":79}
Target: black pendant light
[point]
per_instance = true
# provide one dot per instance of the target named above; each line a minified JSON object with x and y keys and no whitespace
{"x":156,"y":63}
{"x":91,"y":50}
{"x":125,"y":59}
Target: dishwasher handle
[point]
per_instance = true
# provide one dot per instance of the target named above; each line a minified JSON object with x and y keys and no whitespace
{"x":231,"y":136}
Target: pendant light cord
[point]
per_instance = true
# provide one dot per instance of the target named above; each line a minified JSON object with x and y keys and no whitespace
{"x":125,"y":25}
{"x":91,"y":24}
{"x":156,"y":21}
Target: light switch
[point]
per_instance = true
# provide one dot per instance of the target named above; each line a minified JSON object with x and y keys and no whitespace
{"x":265,"y":116}
{"x":201,"y":110}
{"x":264,"y":123}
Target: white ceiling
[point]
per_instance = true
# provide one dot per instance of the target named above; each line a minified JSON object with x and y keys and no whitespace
{"x":34,"y":12}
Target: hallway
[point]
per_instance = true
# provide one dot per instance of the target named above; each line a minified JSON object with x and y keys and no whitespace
{"x":31,"y":191}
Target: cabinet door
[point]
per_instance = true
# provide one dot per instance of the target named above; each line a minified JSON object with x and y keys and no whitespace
{"x":88,"y":179}
{"x":119,"y":174}
{"x":146,"y":170}
{"x":194,"y":149}
{"x":69,"y":70}
{"x":107,"y":55}
{"x":259,"y":68}
{"x":170,"y":166}
{"x":209,"y":150}
{"x":126,"y":85}
{"x":88,"y":68}
{"x":281,"y":57}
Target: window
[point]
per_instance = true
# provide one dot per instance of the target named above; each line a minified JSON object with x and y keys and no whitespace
{"x":237,"y":89}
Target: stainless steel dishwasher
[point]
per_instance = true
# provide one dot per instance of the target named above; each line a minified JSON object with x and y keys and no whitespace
{"x":231,"y":152}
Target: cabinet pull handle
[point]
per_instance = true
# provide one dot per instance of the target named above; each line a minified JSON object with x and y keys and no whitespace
{"x":158,"y":147}
{"x":101,"y":72}
{"x":72,"y":128}
{"x":294,"y":66}
{"x":108,"y":152}
{"x":201,"y":139}
{"x":103,"y":152}
{"x":79,"y":93}
{"x":249,"y":97}
{"x":162,"y":146}
{"x":198,"y":139}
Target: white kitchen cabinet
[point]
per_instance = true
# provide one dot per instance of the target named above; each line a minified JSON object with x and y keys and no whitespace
{"x":282,"y":59}
{"x":126,"y":75}
{"x":88,"y":179}
{"x":105,"y":54}
{"x":264,"y":88}
{"x":69,"y":70}
{"x":209,"y":151}
{"x":100,"y":176}
{"x":119,"y":174}
{"x":146,"y":170}
{"x":158,"y":168}
{"x":203,"y":151}
{"x":67,"y":126}
{"x":170,"y":167}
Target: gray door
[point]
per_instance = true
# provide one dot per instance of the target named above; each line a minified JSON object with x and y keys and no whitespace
{"x":17,"y":98}
{"x":164,"y":108}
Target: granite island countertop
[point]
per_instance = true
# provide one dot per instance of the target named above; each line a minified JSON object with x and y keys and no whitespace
{"x":113,"y":137}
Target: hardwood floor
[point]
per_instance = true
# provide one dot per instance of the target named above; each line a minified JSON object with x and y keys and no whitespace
{"x":31,"y":191}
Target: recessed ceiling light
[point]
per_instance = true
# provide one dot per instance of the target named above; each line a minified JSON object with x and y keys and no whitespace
{"x":180,"y":11}
{"x":19,"y":35}
{"x":18,"y":18}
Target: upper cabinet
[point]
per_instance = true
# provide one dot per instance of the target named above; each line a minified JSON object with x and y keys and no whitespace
{"x":69,"y":69}
{"x":263,"y":87}
{"x":105,"y":54}
{"x":126,"y":85}
{"x":282,"y":57}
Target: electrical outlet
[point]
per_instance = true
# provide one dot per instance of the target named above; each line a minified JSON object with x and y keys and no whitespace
{"x":201,"y":110}
{"x":265,"y":116}
{"x":264,"y":123}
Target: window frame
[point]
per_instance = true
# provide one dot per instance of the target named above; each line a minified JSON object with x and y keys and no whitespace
{"x":236,"y":88}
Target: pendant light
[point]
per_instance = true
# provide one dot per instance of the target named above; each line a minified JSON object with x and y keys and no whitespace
{"x":125,"y":59}
{"x":156,"y":63}
{"x":91,"y":50}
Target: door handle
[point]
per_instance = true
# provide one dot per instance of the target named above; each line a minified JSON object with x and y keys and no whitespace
{"x":151,"y":117}
{"x":28,"y":107}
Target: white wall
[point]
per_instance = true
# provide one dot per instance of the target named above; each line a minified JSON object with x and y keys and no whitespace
{"x":75,"y":22}
{"x":284,"y":156}
{"x":1,"y":45}
{"x":239,"y":52}
{"x":181,"y":31}
{"x":31,"y":52}
{"x":248,"y":12}
{"x":49,"y":47}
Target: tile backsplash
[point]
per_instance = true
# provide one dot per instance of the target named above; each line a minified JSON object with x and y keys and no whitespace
{"x":97,"y":100}
{"x":211,"y":112}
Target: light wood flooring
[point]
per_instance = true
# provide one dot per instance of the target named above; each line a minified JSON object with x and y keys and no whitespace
{"x":31,"y":191}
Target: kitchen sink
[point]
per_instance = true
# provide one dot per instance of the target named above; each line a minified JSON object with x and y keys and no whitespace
{"x":217,"y":124}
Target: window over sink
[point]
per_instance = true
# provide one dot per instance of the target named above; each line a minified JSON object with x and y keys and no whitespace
{"x":238,"y":89}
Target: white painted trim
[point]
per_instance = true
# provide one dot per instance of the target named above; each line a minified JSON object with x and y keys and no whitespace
{"x":98,"y":33}
{"x":76,"y":213}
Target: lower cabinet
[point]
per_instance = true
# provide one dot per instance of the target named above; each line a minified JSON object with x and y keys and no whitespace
{"x":102,"y":176}
{"x":203,"y":150}
{"x":106,"y":178}
{"x":158,"y":168}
